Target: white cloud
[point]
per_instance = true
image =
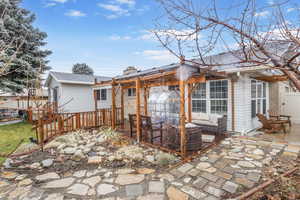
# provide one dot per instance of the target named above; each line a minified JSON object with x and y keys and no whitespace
{"x":75,"y":13}
{"x":60,"y":1}
{"x":117,"y":37}
{"x":127,"y":2}
{"x":159,"y":55}
{"x":115,"y":9}
{"x":292,"y":9}
{"x":185,"y":34}
{"x":51,"y":4}
{"x":262,"y":14}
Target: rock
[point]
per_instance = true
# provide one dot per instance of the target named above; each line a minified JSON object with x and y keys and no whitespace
{"x":125,"y":171}
{"x":203,"y":165}
{"x":78,"y":155}
{"x":187,"y":179}
{"x":35,"y":165}
{"x":80,"y":174}
{"x":7,"y":163}
{"x":78,"y":189}
{"x":47,"y":163}
{"x":9,"y":175}
{"x":55,"y":196}
{"x":69,"y":150}
{"x":245,"y":164}
{"x":167,"y":177}
{"x":184,"y":168}
{"x":53,"y":144}
{"x":134,"y":190}
{"x":193,"y":192}
{"x":92,"y":181}
{"x":129,"y":179}
{"x":230,"y":187}
{"x":94,"y":160}
{"x":3,"y":184}
{"x":151,"y":197}
{"x":108,"y":174}
{"x":175,"y":194}
{"x":156,"y":187}
{"x":61,"y":183}
{"x":48,"y":176}
{"x":25,"y":182}
{"x":214,"y":191}
{"x":258,"y":152}
{"x":21,"y":177}
{"x":210,"y":170}
{"x":150,"y":158}
{"x":104,"y":189}
{"x":145,"y":171}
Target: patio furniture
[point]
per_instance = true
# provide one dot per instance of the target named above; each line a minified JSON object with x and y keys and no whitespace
{"x":217,"y":130}
{"x":148,"y":128}
{"x":276,"y":116}
{"x":270,"y":125}
{"x":193,"y":138}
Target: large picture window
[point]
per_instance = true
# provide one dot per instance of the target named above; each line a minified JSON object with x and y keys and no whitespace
{"x":213,"y":94}
{"x":258,"y":98}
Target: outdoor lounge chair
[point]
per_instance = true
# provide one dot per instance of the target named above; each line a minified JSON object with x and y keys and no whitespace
{"x":270,"y":125}
{"x":215,"y":129}
{"x":148,"y":128}
{"x":274,"y":115}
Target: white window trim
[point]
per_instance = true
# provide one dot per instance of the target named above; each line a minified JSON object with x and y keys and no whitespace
{"x":259,"y":98}
{"x":208,"y":99}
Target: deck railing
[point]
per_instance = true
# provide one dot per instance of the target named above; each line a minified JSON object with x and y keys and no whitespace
{"x":56,"y":124}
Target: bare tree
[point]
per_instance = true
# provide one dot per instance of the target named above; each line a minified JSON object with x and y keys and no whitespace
{"x":256,"y":34}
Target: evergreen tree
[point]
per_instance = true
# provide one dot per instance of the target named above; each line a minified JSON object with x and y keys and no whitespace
{"x":82,"y":68}
{"x":22,"y":60}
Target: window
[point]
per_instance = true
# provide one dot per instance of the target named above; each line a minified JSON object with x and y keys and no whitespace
{"x":101,"y":94}
{"x":131,"y":92}
{"x":258,"y":98}
{"x":174,"y":87}
{"x":199,"y":98}
{"x":218,"y":96}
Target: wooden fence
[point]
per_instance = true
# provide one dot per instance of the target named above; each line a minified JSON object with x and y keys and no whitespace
{"x":60,"y":123}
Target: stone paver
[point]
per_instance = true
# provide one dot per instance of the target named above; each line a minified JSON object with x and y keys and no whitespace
{"x":236,"y":164}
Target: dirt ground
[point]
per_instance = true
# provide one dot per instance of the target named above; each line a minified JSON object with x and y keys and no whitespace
{"x":284,"y":188}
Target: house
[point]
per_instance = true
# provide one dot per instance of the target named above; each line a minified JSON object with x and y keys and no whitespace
{"x":72,"y":92}
{"x":237,"y":91}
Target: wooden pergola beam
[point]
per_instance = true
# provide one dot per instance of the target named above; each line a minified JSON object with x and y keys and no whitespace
{"x":182,"y":119}
{"x":138,"y":110}
{"x":145,"y":101}
{"x":189,"y":103}
{"x":274,"y":78}
{"x":122,"y":108}
{"x":113,"y":105}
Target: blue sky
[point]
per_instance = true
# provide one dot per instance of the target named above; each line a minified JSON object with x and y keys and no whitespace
{"x":108,"y":35}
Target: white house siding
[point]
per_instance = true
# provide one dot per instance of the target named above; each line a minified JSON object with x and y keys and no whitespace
{"x":76,"y":98}
{"x":243,"y":120}
{"x":54,"y":84}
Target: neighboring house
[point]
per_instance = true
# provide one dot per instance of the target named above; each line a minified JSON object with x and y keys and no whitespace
{"x":72,"y":92}
{"x":241,"y":94}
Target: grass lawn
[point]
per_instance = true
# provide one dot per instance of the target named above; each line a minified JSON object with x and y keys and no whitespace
{"x":11,"y":135}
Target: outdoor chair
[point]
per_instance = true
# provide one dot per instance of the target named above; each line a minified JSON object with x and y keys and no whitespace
{"x":148,"y":128}
{"x":218,"y":129}
{"x":270,"y":125}
{"x":274,"y":115}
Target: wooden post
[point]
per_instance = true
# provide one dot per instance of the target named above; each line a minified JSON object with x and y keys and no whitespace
{"x":95,"y":100}
{"x":189,"y":103}
{"x":232,"y":106}
{"x":145,"y":101}
{"x":113,"y":105}
{"x":182,"y":119}
{"x":138,"y":109}
{"x":122,"y":108}
{"x":78,"y":120}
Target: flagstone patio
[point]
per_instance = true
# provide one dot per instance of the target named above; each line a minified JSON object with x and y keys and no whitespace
{"x":234,"y":166}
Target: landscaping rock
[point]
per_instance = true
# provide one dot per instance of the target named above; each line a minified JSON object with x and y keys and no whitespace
{"x":92,"y":181}
{"x":175,"y":194}
{"x":129,"y":179}
{"x":94,"y":160}
{"x":48,"y":176}
{"x":47,"y":163}
{"x":134,"y":190}
{"x":78,"y":189}
{"x":104,"y":189}
{"x":156,"y":187}
{"x":69,"y":150}
{"x":61,"y":183}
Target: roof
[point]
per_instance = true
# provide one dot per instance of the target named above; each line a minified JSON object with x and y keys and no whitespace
{"x":71,"y":78}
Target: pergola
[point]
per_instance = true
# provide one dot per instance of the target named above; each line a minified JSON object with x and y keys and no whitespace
{"x":154,"y":78}
{"x":168,"y":76}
